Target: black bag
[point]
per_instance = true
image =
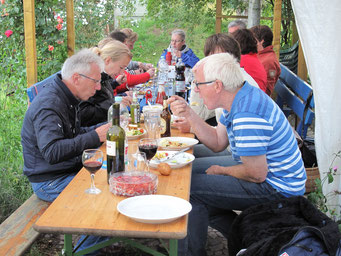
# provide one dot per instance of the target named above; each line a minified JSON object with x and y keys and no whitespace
{"x":307,"y":148}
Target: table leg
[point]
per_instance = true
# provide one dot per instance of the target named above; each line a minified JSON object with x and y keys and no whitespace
{"x":67,"y":245}
{"x":173,"y":247}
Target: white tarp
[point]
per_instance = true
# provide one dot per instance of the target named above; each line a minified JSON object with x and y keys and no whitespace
{"x":319,"y":28}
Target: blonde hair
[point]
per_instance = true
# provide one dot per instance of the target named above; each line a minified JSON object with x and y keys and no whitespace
{"x":112,"y":49}
{"x":131,"y":35}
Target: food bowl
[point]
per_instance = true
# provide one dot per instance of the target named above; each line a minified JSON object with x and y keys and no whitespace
{"x":133,"y":183}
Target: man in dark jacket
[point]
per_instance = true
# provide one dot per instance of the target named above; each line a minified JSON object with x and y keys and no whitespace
{"x":51,"y":136}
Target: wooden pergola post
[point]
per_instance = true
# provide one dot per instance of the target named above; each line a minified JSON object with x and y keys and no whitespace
{"x":218,"y":14}
{"x":70,"y":21}
{"x":277,"y":27}
{"x":30,"y":42}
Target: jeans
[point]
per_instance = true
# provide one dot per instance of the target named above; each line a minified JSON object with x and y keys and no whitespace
{"x":50,"y":190}
{"x":200,"y":150}
{"x":213,"y":199}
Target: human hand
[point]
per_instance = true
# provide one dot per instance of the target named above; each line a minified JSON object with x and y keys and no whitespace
{"x":121,"y":79}
{"x":151,"y":72}
{"x":148,"y":66}
{"x":182,"y":124}
{"x":102,"y":132}
{"x":179,"y":106}
{"x":127,"y":100}
{"x":215,"y":170}
{"x":129,"y":93}
{"x":177,"y":53}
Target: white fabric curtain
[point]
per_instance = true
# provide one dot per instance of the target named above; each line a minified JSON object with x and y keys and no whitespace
{"x":319,"y":28}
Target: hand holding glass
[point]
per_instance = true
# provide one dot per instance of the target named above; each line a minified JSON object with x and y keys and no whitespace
{"x":92,"y":160}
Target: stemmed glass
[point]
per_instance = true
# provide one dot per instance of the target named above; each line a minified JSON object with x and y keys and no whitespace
{"x":149,"y":147}
{"x":92,"y":160}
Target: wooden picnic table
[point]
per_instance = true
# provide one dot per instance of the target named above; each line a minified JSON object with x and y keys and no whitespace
{"x":75,"y":212}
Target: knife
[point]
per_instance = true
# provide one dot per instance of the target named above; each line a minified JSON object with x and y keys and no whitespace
{"x":172,"y":156}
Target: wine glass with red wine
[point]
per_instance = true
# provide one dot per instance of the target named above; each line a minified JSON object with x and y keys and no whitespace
{"x":92,"y":160}
{"x":149,"y":147}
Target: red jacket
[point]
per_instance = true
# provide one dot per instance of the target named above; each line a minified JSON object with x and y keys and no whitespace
{"x":270,"y":62}
{"x":254,"y":68}
{"x":132,"y":80}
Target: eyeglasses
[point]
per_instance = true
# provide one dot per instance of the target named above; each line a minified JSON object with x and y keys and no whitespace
{"x":197,"y":84}
{"x":93,"y":79}
{"x":176,"y":41}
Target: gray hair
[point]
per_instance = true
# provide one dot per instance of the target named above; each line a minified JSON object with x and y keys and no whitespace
{"x":81,"y":63}
{"x":179,"y":32}
{"x":237,"y":23}
{"x":223,"y":67}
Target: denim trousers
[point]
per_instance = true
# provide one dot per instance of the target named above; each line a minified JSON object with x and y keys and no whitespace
{"x":213,"y":199}
{"x":49,"y":191}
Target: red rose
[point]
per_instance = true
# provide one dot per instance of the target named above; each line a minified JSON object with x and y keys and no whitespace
{"x":51,"y":48}
{"x":8,"y":33}
{"x":60,"y":20}
{"x":2,"y":1}
{"x":59,"y":26}
{"x":60,"y":41}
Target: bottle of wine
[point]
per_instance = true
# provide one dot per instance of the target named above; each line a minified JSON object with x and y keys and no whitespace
{"x":180,"y":88}
{"x":165,"y":119}
{"x":135,"y":113}
{"x":115,"y":143}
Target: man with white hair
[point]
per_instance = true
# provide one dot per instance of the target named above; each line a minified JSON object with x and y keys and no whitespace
{"x":235,"y":25}
{"x":265,"y":163}
{"x":179,"y":49}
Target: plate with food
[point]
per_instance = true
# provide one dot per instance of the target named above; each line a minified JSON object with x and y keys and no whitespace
{"x":154,"y":209}
{"x":176,"y":143}
{"x":134,"y":132}
{"x":179,"y":160}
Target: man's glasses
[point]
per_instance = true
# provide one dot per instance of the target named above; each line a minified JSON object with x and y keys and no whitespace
{"x":197,"y":84}
{"x":176,"y":41}
{"x":93,"y":79}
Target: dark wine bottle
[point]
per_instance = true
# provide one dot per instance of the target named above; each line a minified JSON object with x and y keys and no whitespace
{"x":115,"y":143}
{"x":165,"y":119}
{"x":180,"y":87}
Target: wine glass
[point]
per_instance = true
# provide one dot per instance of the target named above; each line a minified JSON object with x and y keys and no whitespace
{"x":149,"y":147}
{"x":137,"y":162}
{"x":92,"y":160}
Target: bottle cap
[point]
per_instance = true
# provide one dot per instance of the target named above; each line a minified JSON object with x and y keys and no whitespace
{"x":118,"y":99}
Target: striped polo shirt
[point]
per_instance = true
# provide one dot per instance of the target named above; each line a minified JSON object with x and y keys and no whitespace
{"x":257,"y":126}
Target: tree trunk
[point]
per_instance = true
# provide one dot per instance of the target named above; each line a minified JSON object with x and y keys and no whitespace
{"x":254,"y":13}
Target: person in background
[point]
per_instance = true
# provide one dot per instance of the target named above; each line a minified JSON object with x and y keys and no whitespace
{"x":52,"y":138}
{"x":267,"y":56}
{"x":116,"y":57}
{"x":132,"y":79}
{"x":235,"y":25}
{"x":134,"y":67}
{"x":217,"y":43}
{"x":249,"y":59}
{"x":265,"y":163}
{"x":179,"y":49}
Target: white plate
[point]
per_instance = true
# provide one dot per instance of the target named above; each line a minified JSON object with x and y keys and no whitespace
{"x":154,"y":209}
{"x":178,"y":161}
{"x":188,"y":142}
{"x":134,"y":137}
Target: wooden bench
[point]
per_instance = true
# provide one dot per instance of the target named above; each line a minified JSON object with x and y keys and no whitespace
{"x":16,"y":232}
{"x":295,"y":96}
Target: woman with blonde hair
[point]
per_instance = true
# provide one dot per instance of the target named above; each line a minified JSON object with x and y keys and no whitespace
{"x":116,"y":56}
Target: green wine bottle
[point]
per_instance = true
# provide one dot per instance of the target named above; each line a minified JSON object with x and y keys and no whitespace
{"x":135,"y":110}
{"x":115,"y":143}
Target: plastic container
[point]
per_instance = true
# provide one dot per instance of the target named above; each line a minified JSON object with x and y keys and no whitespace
{"x":133,"y":183}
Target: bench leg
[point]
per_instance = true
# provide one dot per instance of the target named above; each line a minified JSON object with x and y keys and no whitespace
{"x":67,"y":245}
{"x":173,"y":247}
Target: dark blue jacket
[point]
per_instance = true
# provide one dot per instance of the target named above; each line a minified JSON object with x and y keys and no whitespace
{"x":51,"y":136}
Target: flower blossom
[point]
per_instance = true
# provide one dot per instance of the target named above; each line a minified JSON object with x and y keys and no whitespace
{"x":59,"y":26}
{"x":8,"y":33}
{"x":60,"y":20}
{"x":60,"y":41}
{"x":2,"y":1}
{"x":51,"y":48}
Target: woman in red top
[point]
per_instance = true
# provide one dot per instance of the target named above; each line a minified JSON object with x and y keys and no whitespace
{"x":132,"y":80}
{"x":249,"y":59}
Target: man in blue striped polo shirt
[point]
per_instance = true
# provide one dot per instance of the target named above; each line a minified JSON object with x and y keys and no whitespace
{"x":265,"y":162}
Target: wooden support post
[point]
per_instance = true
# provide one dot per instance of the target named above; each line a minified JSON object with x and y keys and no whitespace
{"x":302,"y":70}
{"x":30,"y":42}
{"x":70,"y":21}
{"x":277,"y":26}
{"x":218,"y":16}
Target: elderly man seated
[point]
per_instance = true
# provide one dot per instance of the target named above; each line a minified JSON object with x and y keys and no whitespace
{"x":265,"y":163}
{"x":179,"y":49}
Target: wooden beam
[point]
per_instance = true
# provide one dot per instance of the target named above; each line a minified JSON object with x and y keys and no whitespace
{"x":30,"y":42}
{"x":302,"y":70}
{"x":277,"y":26}
{"x":218,"y":16}
{"x":70,"y":21}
